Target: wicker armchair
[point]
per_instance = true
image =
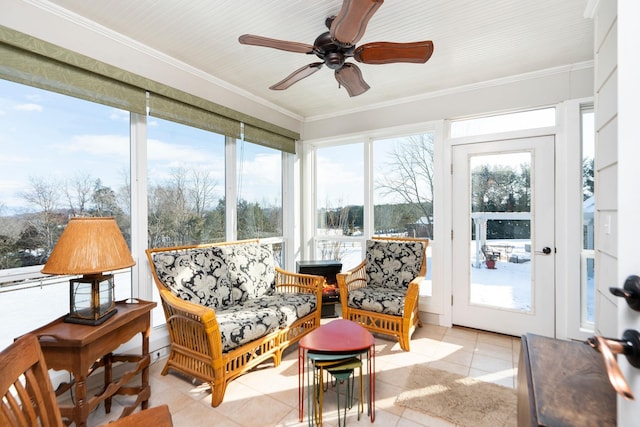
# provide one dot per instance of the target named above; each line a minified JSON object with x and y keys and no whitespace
{"x":381,"y":293}
{"x":27,"y":397}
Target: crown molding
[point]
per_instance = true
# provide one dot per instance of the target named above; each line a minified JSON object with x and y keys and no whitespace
{"x":128,"y":42}
{"x":461,"y":89}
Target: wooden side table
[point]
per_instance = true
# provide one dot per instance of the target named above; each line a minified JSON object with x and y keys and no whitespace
{"x":82,"y":349}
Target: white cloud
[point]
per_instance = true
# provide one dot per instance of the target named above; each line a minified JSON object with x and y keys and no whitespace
{"x":164,"y":157}
{"x":97,"y":145}
{"x":119,"y":115}
{"x":159,"y":151}
{"x":29,"y":107}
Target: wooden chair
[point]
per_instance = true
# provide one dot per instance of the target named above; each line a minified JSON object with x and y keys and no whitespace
{"x":386,"y":300}
{"x":28,"y":398}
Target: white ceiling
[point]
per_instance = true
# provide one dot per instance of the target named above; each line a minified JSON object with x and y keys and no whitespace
{"x":475,"y":41}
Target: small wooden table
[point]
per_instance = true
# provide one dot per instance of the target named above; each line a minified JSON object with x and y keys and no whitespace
{"x":81,"y":349}
{"x":338,"y":337}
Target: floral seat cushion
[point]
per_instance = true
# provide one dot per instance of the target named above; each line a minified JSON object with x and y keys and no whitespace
{"x":393,"y":264}
{"x":289,"y":306}
{"x":251,"y":268}
{"x":378,"y":299}
{"x":196,"y":275}
{"x":240,"y":325}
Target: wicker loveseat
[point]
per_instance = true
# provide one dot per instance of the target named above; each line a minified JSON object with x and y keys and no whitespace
{"x":229,"y":308}
{"x":381,"y":293}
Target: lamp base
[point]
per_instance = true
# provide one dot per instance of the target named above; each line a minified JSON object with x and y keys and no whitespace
{"x":90,"y":322}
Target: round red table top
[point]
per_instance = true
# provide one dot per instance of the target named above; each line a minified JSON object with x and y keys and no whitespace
{"x":339,"y":335}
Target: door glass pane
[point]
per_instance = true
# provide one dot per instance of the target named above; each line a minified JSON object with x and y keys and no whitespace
{"x":500,"y":244}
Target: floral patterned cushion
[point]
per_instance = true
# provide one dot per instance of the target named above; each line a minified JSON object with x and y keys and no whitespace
{"x":251,"y":269}
{"x":393,"y":264}
{"x":240,"y":325}
{"x":379,"y":299}
{"x":288,"y":306}
{"x":198,"y":275}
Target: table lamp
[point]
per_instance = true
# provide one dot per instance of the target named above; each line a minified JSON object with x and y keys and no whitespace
{"x":90,"y":246}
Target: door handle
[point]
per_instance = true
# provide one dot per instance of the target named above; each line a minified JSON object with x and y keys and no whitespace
{"x":545,"y":251}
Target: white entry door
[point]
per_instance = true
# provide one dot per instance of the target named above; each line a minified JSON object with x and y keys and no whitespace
{"x":503,"y":236}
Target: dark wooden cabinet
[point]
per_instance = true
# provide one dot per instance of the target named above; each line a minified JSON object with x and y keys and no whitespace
{"x":327,"y":269}
{"x":563,"y":384}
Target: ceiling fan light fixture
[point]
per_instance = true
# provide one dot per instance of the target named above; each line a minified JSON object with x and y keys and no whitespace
{"x":333,"y":47}
{"x":334,"y":60}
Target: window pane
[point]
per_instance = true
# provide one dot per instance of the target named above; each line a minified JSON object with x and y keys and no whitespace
{"x":259,"y":191}
{"x":186,"y":184}
{"x":340,"y":200}
{"x":403,"y":190}
{"x":504,"y":123}
{"x":349,"y":253}
{"x":61,"y":157}
{"x":588,"y":209}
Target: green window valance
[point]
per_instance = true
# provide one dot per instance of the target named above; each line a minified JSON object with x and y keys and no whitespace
{"x":25,"y":67}
{"x":176,"y":111}
{"x":27,"y":60}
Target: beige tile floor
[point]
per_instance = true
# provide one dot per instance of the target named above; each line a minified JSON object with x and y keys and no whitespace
{"x":268,"y":396}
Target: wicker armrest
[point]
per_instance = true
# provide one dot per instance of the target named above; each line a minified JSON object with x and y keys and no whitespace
{"x":349,"y":280}
{"x":354,"y":278}
{"x":189,"y":321}
{"x":412,"y":296}
{"x":287,"y":281}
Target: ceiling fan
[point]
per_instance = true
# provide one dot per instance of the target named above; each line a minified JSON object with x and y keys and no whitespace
{"x":338,"y":44}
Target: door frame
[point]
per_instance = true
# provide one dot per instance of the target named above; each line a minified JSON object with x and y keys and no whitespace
{"x":568,"y":206}
{"x":541,"y":318}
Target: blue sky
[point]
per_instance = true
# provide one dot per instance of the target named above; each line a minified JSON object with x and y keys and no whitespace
{"x":56,"y":138}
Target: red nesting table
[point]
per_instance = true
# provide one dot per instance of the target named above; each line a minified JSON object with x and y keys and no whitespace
{"x":337,"y":338}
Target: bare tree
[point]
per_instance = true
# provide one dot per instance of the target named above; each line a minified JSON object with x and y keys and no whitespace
{"x":78,"y":193}
{"x":335,"y":222}
{"x":45,"y":197}
{"x":409,"y":174}
{"x":124,"y":192}
{"x":202,"y":190}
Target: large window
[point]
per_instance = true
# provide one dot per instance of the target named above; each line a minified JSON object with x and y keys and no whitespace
{"x":259,"y":189}
{"x":340,"y":203}
{"x":396,"y":180}
{"x":61,"y":157}
{"x":64,"y":157}
{"x":186,"y":184}
{"x":403,"y":188}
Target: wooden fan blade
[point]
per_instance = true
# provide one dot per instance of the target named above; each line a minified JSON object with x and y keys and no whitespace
{"x":349,"y":25}
{"x":350,"y":77}
{"x":296,"y":76}
{"x":386,"y":52}
{"x":275,"y":44}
